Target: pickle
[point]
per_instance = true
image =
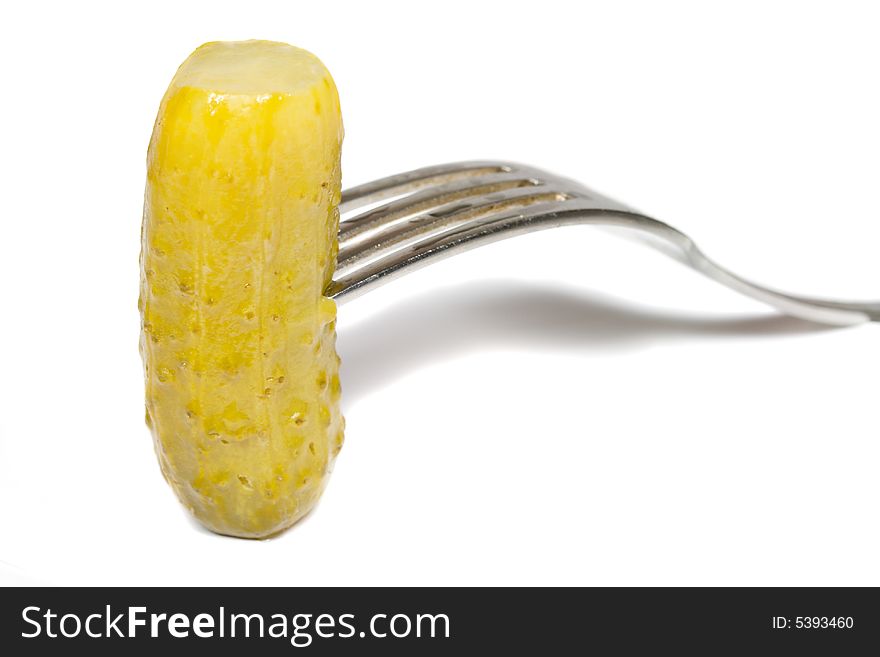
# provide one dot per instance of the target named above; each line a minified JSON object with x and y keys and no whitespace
{"x":239,"y":241}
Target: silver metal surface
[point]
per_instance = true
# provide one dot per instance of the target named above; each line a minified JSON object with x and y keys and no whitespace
{"x":397,"y":224}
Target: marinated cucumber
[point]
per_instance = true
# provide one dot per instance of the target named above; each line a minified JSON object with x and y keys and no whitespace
{"x":238,"y":243}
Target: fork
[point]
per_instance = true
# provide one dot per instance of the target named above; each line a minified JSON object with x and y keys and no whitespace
{"x":398,"y":224}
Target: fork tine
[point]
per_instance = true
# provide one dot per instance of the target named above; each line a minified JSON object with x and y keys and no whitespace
{"x":388,"y":236}
{"x":355,"y":228}
{"x":544,"y":210}
{"x":378,"y":190}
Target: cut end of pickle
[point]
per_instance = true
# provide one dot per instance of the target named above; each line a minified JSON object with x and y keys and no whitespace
{"x":250,"y":67}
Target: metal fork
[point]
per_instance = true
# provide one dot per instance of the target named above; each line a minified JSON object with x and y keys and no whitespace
{"x":398,"y":224}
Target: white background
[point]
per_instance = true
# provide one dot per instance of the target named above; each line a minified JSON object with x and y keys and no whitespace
{"x":563,"y":408}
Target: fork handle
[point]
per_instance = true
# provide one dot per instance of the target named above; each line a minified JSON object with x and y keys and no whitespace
{"x":661,"y":235}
